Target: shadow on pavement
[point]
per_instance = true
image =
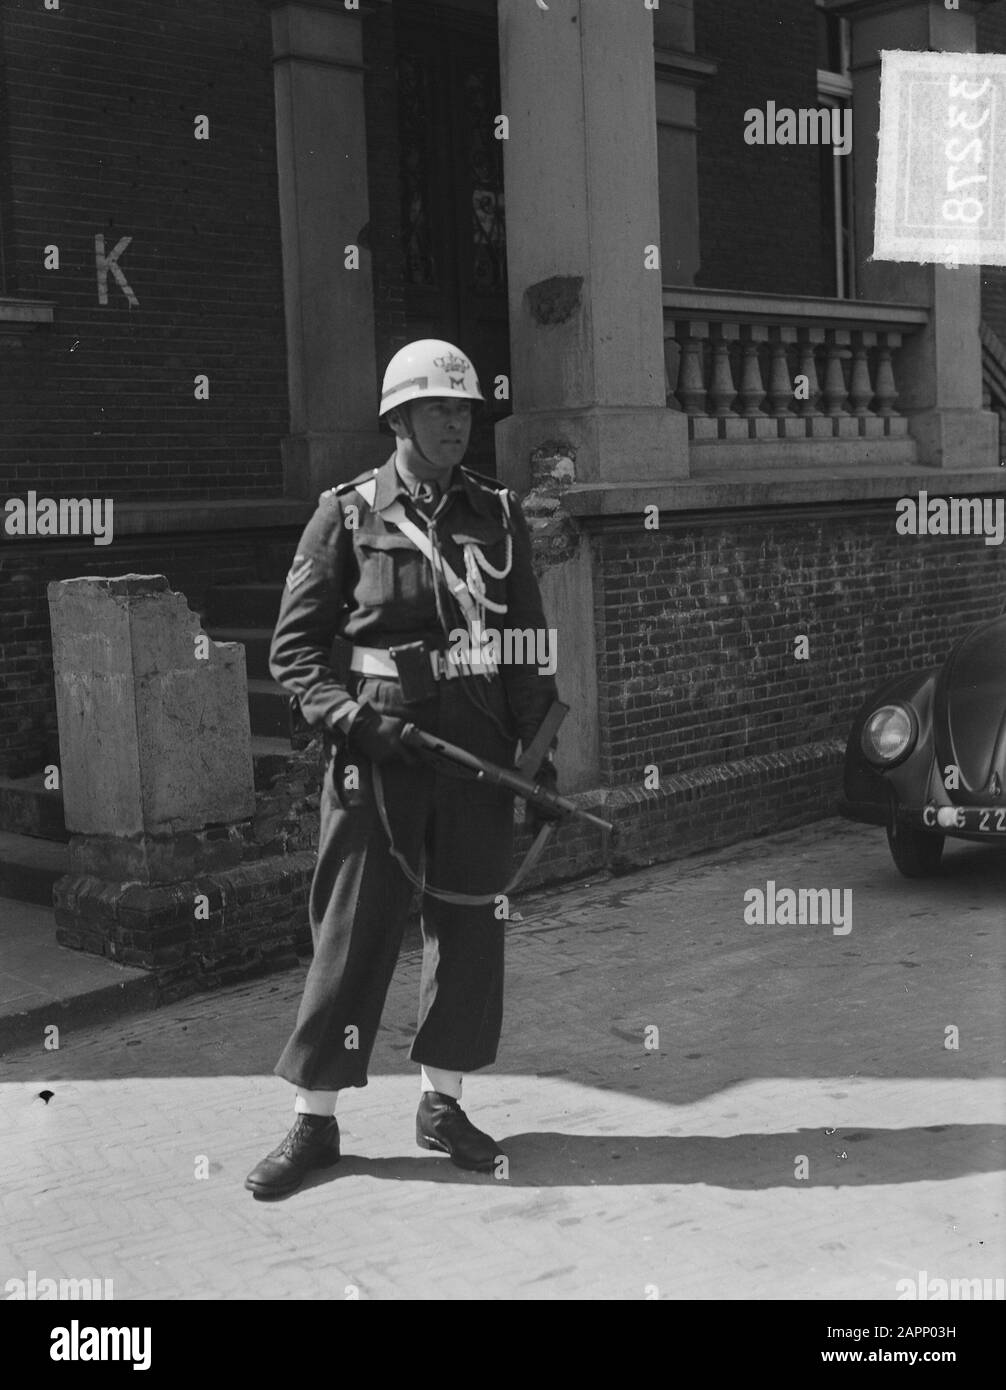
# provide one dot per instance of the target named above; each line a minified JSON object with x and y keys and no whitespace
{"x":748,"y":1162}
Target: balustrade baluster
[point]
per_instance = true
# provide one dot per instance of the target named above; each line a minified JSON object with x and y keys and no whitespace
{"x":810,"y":338}
{"x":780,"y":383}
{"x":722,"y":391}
{"x":691,"y":390}
{"x":835,"y":390}
{"x":885,"y":391}
{"x":672,"y":364}
{"x":860,"y":386}
{"x":752,"y":391}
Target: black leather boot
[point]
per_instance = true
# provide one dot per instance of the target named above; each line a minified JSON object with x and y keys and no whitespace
{"x":441,"y":1124}
{"x":313,"y":1142}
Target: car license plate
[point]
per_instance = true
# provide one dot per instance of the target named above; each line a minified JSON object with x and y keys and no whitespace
{"x":988,"y":820}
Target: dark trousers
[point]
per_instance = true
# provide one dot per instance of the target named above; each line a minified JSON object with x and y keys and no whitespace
{"x":360,"y":898}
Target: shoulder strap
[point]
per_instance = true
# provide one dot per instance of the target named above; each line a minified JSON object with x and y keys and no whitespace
{"x":368,"y":488}
{"x":355,"y":485}
{"x":492,"y":485}
{"x":396,"y":514}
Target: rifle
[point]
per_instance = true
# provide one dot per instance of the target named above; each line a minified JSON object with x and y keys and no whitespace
{"x":433,"y":750}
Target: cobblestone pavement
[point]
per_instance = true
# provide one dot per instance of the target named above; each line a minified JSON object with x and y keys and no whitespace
{"x":796,"y":1128}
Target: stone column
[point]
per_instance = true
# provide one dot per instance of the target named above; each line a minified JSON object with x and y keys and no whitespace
{"x":940,"y":376}
{"x":155,"y":762}
{"x":321,"y":154}
{"x":583,"y":220}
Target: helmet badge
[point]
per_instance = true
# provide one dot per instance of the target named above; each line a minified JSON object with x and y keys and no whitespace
{"x":452,"y":365}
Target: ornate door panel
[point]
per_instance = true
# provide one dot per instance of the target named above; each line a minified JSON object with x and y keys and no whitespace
{"x":453,"y":235}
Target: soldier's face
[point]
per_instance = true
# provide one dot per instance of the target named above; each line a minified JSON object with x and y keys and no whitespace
{"x":442,"y":429}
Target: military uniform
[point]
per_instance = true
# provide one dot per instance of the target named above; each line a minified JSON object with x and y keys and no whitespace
{"x":357,"y":576}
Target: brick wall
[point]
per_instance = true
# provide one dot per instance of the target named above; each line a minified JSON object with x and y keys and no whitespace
{"x":28,"y":734}
{"x":759,"y":206}
{"x":101,"y":101}
{"x":696,"y":626}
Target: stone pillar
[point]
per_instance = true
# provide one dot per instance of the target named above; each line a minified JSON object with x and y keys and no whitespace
{"x":155,"y":762}
{"x":321,"y":154}
{"x":583,"y":219}
{"x":940,"y":375}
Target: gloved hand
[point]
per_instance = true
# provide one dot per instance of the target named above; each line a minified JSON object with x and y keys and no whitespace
{"x":537,"y":816}
{"x":379,"y":736}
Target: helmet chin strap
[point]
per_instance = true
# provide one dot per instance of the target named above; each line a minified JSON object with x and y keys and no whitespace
{"x":413,"y":438}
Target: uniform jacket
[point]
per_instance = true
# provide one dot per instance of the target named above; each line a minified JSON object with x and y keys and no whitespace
{"x":356,"y":576}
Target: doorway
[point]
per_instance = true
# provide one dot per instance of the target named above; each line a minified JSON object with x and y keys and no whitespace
{"x":452,"y":205}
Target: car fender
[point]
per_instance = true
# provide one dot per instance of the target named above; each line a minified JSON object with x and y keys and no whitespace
{"x":867,"y":788}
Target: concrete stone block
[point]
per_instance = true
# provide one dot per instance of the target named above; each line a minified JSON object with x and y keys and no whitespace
{"x":153,"y":715}
{"x":705,"y":427}
{"x":766,"y":427}
{"x":606,"y":442}
{"x":957,"y":438}
{"x":735,"y":427}
{"x":793,"y":427}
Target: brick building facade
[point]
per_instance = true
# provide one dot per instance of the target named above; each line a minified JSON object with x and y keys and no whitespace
{"x":236,"y":259}
{"x":100,"y":141}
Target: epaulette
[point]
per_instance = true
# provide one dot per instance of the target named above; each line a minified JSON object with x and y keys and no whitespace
{"x":500,"y":491}
{"x":493,"y":484}
{"x":351,"y":486}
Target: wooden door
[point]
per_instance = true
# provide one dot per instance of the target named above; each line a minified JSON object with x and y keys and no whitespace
{"x":453,"y":226}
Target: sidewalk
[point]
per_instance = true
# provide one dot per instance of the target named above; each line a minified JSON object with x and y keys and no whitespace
{"x":42,"y":983}
{"x":663,"y":1171}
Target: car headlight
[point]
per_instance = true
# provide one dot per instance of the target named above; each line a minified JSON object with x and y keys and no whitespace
{"x":889,"y":734}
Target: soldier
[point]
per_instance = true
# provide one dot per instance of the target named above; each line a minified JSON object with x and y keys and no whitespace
{"x":398,"y":562}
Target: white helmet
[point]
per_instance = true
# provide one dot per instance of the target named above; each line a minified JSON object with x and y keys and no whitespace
{"x":425,"y":369}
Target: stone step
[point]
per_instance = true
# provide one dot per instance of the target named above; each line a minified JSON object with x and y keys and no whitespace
{"x":43,"y":982}
{"x":270,"y":757}
{"x":274,"y":559}
{"x":269,"y":708}
{"x":255,"y":640}
{"x":29,"y":867}
{"x":243,"y":605}
{"x":265,"y":747}
{"x":27,"y":807}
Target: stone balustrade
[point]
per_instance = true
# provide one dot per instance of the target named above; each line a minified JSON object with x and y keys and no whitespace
{"x":763,"y":369}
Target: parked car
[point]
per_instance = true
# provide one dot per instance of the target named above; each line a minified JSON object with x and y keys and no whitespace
{"x":926,"y":757}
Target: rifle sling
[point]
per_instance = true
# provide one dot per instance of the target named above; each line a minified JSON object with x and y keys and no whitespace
{"x":443,"y":894}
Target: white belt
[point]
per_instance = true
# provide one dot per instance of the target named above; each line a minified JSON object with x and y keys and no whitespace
{"x":375,"y":661}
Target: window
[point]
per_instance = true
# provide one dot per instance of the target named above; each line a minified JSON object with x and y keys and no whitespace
{"x":834,"y":89}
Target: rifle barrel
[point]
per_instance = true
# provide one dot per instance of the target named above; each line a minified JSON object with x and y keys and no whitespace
{"x":501,"y":776}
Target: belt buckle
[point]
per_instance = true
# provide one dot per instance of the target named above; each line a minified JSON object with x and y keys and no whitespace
{"x":438,"y":665}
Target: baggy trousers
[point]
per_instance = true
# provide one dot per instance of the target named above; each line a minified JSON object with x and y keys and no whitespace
{"x":360,"y":898}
